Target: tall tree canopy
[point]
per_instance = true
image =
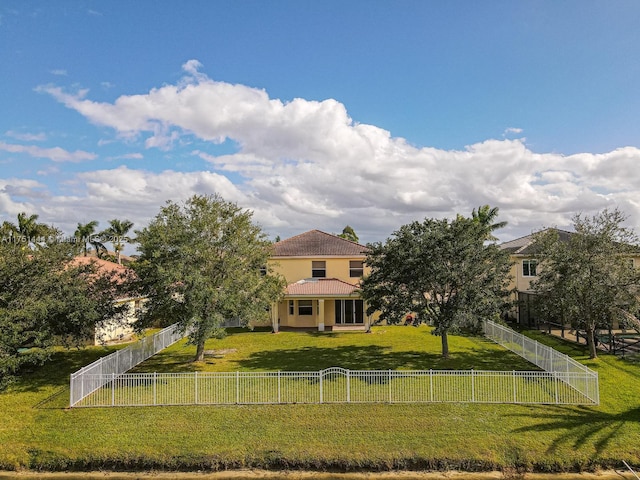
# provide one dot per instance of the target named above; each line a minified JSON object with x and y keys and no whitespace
{"x":47,"y":299}
{"x":203,"y":262}
{"x":589,"y":279}
{"x":348,"y":233}
{"x":440,"y":269}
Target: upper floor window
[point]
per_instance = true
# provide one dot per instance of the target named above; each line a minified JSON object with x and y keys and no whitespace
{"x":318,"y":269}
{"x":529,"y":268}
{"x":355,"y":268}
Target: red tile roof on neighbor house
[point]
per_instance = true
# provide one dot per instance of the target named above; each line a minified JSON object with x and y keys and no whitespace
{"x":119,"y":272}
{"x":315,"y":243}
{"x":321,"y":287}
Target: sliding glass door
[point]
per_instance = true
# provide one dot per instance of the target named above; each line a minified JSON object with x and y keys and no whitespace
{"x":349,"y":312}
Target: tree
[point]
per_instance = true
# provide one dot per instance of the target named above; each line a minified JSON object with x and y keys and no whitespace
{"x":46,"y":299}
{"x":203,"y":262}
{"x":588,"y":279}
{"x":117,"y":235}
{"x":485,"y":215}
{"x":348,"y":233}
{"x":440,"y":269}
{"x":86,"y":233}
{"x":28,"y":231}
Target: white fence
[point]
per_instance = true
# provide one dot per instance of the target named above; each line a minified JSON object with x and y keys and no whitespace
{"x":336,"y":385}
{"x":564,"y":382}
{"x":577,"y":376}
{"x":90,"y":378}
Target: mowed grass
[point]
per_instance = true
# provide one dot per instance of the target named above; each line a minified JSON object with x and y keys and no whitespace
{"x":37,"y":431}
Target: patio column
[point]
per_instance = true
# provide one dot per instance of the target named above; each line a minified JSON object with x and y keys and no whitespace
{"x":321,"y":315}
{"x":275,"y":311}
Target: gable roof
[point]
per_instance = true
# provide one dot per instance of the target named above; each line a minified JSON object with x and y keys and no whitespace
{"x":320,"y":287}
{"x":525,"y":245}
{"x":316,"y":243}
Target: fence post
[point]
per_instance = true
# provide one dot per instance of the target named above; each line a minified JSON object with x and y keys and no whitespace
{"x":348,"y":386}
{"x":555,"y":376}
{"x":473,"y":386}
{"x":390,"y":399}
{"x":279,"y":389}
{"x":113,"y":389}
{"x":431,"y":385}
{"x":515,"y":391}
{"x":195,"y":381}
{"x":237,"y":386}
{"x":321,"y":374}
{"x":155,"y":388}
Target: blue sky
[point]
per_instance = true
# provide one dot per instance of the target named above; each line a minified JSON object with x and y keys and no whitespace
{"x":321,"y":114}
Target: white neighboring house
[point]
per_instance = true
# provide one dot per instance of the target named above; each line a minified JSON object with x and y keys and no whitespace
{"x":115,"y":330}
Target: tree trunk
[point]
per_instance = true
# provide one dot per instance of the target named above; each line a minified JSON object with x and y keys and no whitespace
{"x":199,"y":351}
{"x":591,"y":343}
{"x":445,"y":345}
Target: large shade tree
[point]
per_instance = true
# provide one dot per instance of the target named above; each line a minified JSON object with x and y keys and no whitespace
{"x":203,"y":262}
{"x":588,"y":279}
{"x":441,"y":269}
{"x":47,"y":299}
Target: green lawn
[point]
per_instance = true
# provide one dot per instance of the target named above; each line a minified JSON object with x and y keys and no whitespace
{"x":38,"y":431}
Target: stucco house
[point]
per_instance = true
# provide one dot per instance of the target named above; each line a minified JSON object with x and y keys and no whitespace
{"x":525,"y":269}
{"x":117,"y":329}
{"x":323,"y":272}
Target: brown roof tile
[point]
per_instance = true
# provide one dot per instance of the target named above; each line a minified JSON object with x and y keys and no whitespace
{"x":317,"y":243}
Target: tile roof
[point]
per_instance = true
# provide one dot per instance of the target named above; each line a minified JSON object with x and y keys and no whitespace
{"x":320,"y":287}
{"x":525,"y":245}
{"x":317,"y":243}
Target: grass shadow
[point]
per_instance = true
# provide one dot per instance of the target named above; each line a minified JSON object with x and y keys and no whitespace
{"x":579,"y":426}
{"x":375,"y":357}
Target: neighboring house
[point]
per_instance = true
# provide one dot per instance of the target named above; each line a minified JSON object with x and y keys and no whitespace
{"x":116,"y":329}
{"x":524,"y":270}
{"x":323,"y":273}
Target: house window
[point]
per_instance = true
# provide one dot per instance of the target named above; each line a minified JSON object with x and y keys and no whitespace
{"x":291,"y":307}
{"x":529,"y":268}
{"x":349,"y":311}
{"x":305,"y":307}
{"x":318,"y":269}
{"x":355,"y":268}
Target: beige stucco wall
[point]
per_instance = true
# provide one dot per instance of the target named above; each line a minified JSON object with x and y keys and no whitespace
{"x":299,"y":268}
{"x":116,"y":330}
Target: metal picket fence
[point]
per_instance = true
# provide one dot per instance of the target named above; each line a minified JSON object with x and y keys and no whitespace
{"x":92,"y":377}
{"x":577,"y":376}
{"x":563,"y":381}
{"x":336,"y":385}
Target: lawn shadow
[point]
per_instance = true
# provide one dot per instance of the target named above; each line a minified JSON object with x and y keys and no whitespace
{"x":56,"y":371}
{"x":580,"y":425}
{"x":375,"y":357}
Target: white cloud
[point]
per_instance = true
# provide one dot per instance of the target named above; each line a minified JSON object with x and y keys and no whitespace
{"x":55,"y":154}
{"x":26,"y":136}
{"x":306,"y":164}
{"x":59,"y":72}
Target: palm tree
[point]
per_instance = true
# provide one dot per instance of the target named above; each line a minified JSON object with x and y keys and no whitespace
{"x":117,"y":235}
{"x":85,"y":233}
{"x":485,"y":215}
{"x":348,"y":233}
{"x":28,"y":230}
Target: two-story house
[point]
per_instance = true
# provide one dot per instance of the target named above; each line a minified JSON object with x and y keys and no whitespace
{"x":525,"y":269}
{"x":323,"y":273}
